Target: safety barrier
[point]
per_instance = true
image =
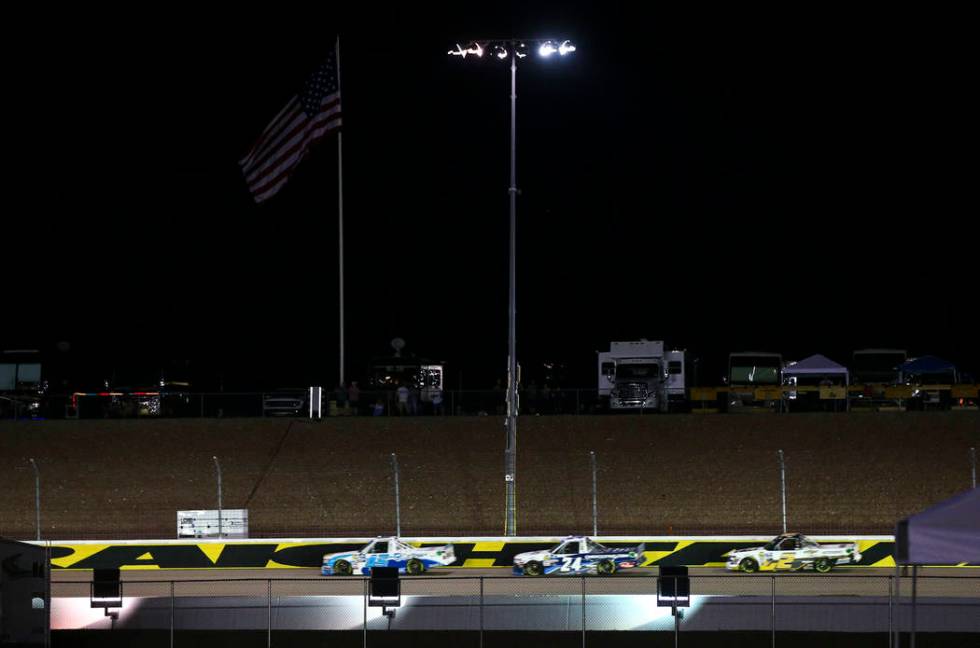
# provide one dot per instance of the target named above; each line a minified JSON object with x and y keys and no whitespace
{"x":482,"y":552}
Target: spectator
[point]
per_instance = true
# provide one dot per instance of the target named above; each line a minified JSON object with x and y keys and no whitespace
{"x":413,"y":401}
{"x":402,"y":399}
{"x":437,"y":402}
{"x":354,"y":397}
{"x":532,"y":397}
{"x":340,"y":395}
{"x":379,"y":408}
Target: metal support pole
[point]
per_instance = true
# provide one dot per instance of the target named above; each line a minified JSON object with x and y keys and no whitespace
{"x":268,"y":641}
{"x":481,"y":611}
{"x":340,"y":226}
{"x":772,"y":613}
{"x":677,"y":618}
{"x":510,"y":452}
{"x":398,"y":506}
{"x":973,"y":467}
{"x":220,"y":521}
{"x":583,"y":611}
{"x":595,"y":498}
{"x":891,"y":622}
{"x":37,"y":499}
{"x":171,"y":614}
{"x":898,"y":606}
{"x":365,"y":613}
{"x":782,"y":485}
{"x":47,"y":599}
{"x":915,"y":581}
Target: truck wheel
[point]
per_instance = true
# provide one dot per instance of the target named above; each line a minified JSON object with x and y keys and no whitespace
{"x":533,"y":568}
{"x":824,"y":565}
{"x":606,"y":568}
{"x":749,"y":565}
{"x":414,"y":567}
{"x":342,"y":568}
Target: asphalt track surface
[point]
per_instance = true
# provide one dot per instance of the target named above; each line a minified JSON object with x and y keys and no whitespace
{"x":932,"y":582}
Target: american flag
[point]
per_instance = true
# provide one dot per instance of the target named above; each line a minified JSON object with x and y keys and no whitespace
{"x":286,"y":140}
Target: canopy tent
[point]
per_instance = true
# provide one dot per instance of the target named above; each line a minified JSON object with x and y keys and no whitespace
{"x":927,"y":365}
{"x":816,"y":365}
{"x":945,"y":534}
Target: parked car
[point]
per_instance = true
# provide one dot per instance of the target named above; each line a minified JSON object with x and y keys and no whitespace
{"x":793,"y":551}
{"x":387,"y":552}
{"x":578,"y":555}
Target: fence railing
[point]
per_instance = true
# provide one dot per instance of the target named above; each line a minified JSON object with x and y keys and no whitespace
{"x":419,"y":493}
{"x":764,"y":609}
{"x":490,"y":402}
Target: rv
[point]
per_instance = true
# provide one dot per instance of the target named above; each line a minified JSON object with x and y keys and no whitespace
{"x":877,"y":366}
{"x":755,"y":380}
{"x":640,"y":375}
{"x":21,"y":386}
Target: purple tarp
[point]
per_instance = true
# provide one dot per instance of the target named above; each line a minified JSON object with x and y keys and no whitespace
{"x":945,"y":534}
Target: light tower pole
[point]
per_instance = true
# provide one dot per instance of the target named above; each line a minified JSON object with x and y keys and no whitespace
{"x":512,"y":49}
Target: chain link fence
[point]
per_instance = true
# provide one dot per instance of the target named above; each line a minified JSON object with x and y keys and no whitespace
{"x":309,"y":483}
{"x":533,"y":401}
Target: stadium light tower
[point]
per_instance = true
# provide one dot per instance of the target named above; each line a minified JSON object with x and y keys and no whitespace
{"x":513,"y":49}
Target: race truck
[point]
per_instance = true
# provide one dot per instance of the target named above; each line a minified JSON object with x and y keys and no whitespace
{"x":387,"y":552}
{"x":793,"y":552}
{"x":578,"y":555}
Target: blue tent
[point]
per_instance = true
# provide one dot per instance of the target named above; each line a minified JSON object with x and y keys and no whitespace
{"x":928,"y":365}
{"x":945,"y":534}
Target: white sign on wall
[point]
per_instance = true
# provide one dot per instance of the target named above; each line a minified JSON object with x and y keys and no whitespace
{"x":232,"y":523}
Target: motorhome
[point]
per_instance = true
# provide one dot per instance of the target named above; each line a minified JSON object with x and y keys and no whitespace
{"x":640,"y":375}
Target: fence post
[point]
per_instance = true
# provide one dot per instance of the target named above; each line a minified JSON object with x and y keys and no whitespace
{"x":220,"y":525}
{"x":37,"y":498}
{"x":171,"y":614}
{"x":898,"y":604}
{"x":772,"y":614}
{"x":915,"y":580}
{"x":365,"y":612}
{"x":268,"y":642}
{"x":481,"y":611}
{"x":583,"y":611}
{"x":973,"y":466}
{"x":891,"y":600}
{"x":595,"y":498}
{"x":398,"y":508}
{"x":782,"y":485}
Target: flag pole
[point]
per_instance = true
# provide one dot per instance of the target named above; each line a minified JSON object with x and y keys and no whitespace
{"x":340,"y":220}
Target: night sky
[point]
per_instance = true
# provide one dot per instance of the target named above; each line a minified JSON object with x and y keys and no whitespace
{"x":794,"y":182}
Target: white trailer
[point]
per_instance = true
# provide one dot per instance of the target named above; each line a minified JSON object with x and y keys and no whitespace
{"x":633,"y":375}
{"x":676,"y":361}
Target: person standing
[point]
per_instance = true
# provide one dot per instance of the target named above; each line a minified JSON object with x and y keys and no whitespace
{"x":402,"y":399}
{"x":354,"y":397}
